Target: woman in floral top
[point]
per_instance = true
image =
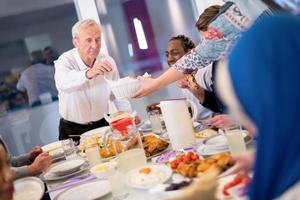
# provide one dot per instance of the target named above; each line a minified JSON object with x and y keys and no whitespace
{"x":222,"y":32}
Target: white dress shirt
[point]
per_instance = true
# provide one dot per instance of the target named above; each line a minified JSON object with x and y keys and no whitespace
{"x":82,"y":100}
{"x":204,"y":78}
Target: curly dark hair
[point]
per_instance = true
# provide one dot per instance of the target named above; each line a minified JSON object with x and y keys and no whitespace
{"x":186,"y":42}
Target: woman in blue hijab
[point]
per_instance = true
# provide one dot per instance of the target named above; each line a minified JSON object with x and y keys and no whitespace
{"x":263,"y":75}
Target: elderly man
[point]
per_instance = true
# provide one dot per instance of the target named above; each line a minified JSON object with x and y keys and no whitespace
{"x":80,"y":75}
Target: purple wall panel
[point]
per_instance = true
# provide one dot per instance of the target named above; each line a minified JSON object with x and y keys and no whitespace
{"x":138,"y":9}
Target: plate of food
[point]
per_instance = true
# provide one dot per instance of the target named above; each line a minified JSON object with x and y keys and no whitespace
{"x":206,"y":133}
{"x":191,"y":165}
{"x":154,"y":145}
{"x":148,"y":176}
{"x":28,"y":188}
{"x":90,"y":190}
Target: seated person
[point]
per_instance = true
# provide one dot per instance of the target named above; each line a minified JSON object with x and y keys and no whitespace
{"x":29,"y":164}
{"x":6,"y":177}
{"x":176,"y":48}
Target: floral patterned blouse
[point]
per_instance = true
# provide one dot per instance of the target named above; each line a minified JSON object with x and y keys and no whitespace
{"x":222,"y":33}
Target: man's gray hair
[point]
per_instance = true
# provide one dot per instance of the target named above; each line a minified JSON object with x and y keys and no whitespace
{"x":82,"y":24}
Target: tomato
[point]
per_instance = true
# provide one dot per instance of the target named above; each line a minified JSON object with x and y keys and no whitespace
{"x":189,"y":154}
{"x":195,"y":157}
{"x":174,"y":164}
{"x":226,"y":187}
{"x":237,"y":180}
{"x":186,"y":159}
{"x":180,"y":158}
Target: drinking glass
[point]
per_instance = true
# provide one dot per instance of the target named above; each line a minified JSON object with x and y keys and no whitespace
{"x":235,"y":139}
{"x":68,"y":146}
{"x":155,"y":121}
{"x":117,"y":180}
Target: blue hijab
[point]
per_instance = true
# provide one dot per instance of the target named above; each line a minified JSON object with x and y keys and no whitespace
{"x":265,"y":72}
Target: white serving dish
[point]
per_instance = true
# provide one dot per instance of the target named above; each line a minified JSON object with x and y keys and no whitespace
{"x":124,"y":88}
{"x":100,"y":170}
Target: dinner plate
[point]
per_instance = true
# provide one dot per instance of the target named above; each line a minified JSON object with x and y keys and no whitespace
{"x":207,"y":151}
{"x":66,"y":167}
{"x":219,"y":142}
{"x":28,"y":188}
{"x":156,"y":174}
{"x":88,"y":191}
{"x":98,"y":131}
{"x":48,"y":176}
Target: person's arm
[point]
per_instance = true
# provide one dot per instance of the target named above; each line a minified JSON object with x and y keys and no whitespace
{"x":20,"y":85}
{"x":17,"y":161}
{"x":66,"y":78}
{"x":149,"y":85}
{"x":20,"y":172}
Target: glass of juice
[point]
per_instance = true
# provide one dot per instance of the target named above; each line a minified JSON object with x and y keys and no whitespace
{"x":235,"y":139}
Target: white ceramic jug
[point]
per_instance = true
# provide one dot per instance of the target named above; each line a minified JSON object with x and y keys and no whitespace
{"x":178,"y":122}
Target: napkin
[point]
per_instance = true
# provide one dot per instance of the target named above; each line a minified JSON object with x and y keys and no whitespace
{"x":73,"y":181}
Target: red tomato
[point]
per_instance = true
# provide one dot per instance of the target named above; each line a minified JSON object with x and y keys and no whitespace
{"x":194,"y":157}
{"x":180,"y":158}
{"x":189,"y":154}
{"x":174,"y":164}
{"x":186,"y":159}
{"x":226,"y":187}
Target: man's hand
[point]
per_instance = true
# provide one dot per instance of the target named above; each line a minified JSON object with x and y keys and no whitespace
{"x":99,"y":68}
{"x":35,"y":151}
{"x":40,"y":164}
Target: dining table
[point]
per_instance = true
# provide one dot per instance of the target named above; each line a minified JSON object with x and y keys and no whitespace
{"x":58,"y":187}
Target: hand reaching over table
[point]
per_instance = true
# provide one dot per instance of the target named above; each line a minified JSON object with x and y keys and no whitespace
{"x":148,"y":86}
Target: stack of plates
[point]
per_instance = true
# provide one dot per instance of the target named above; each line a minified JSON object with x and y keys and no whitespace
{"x":65,"y":169}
